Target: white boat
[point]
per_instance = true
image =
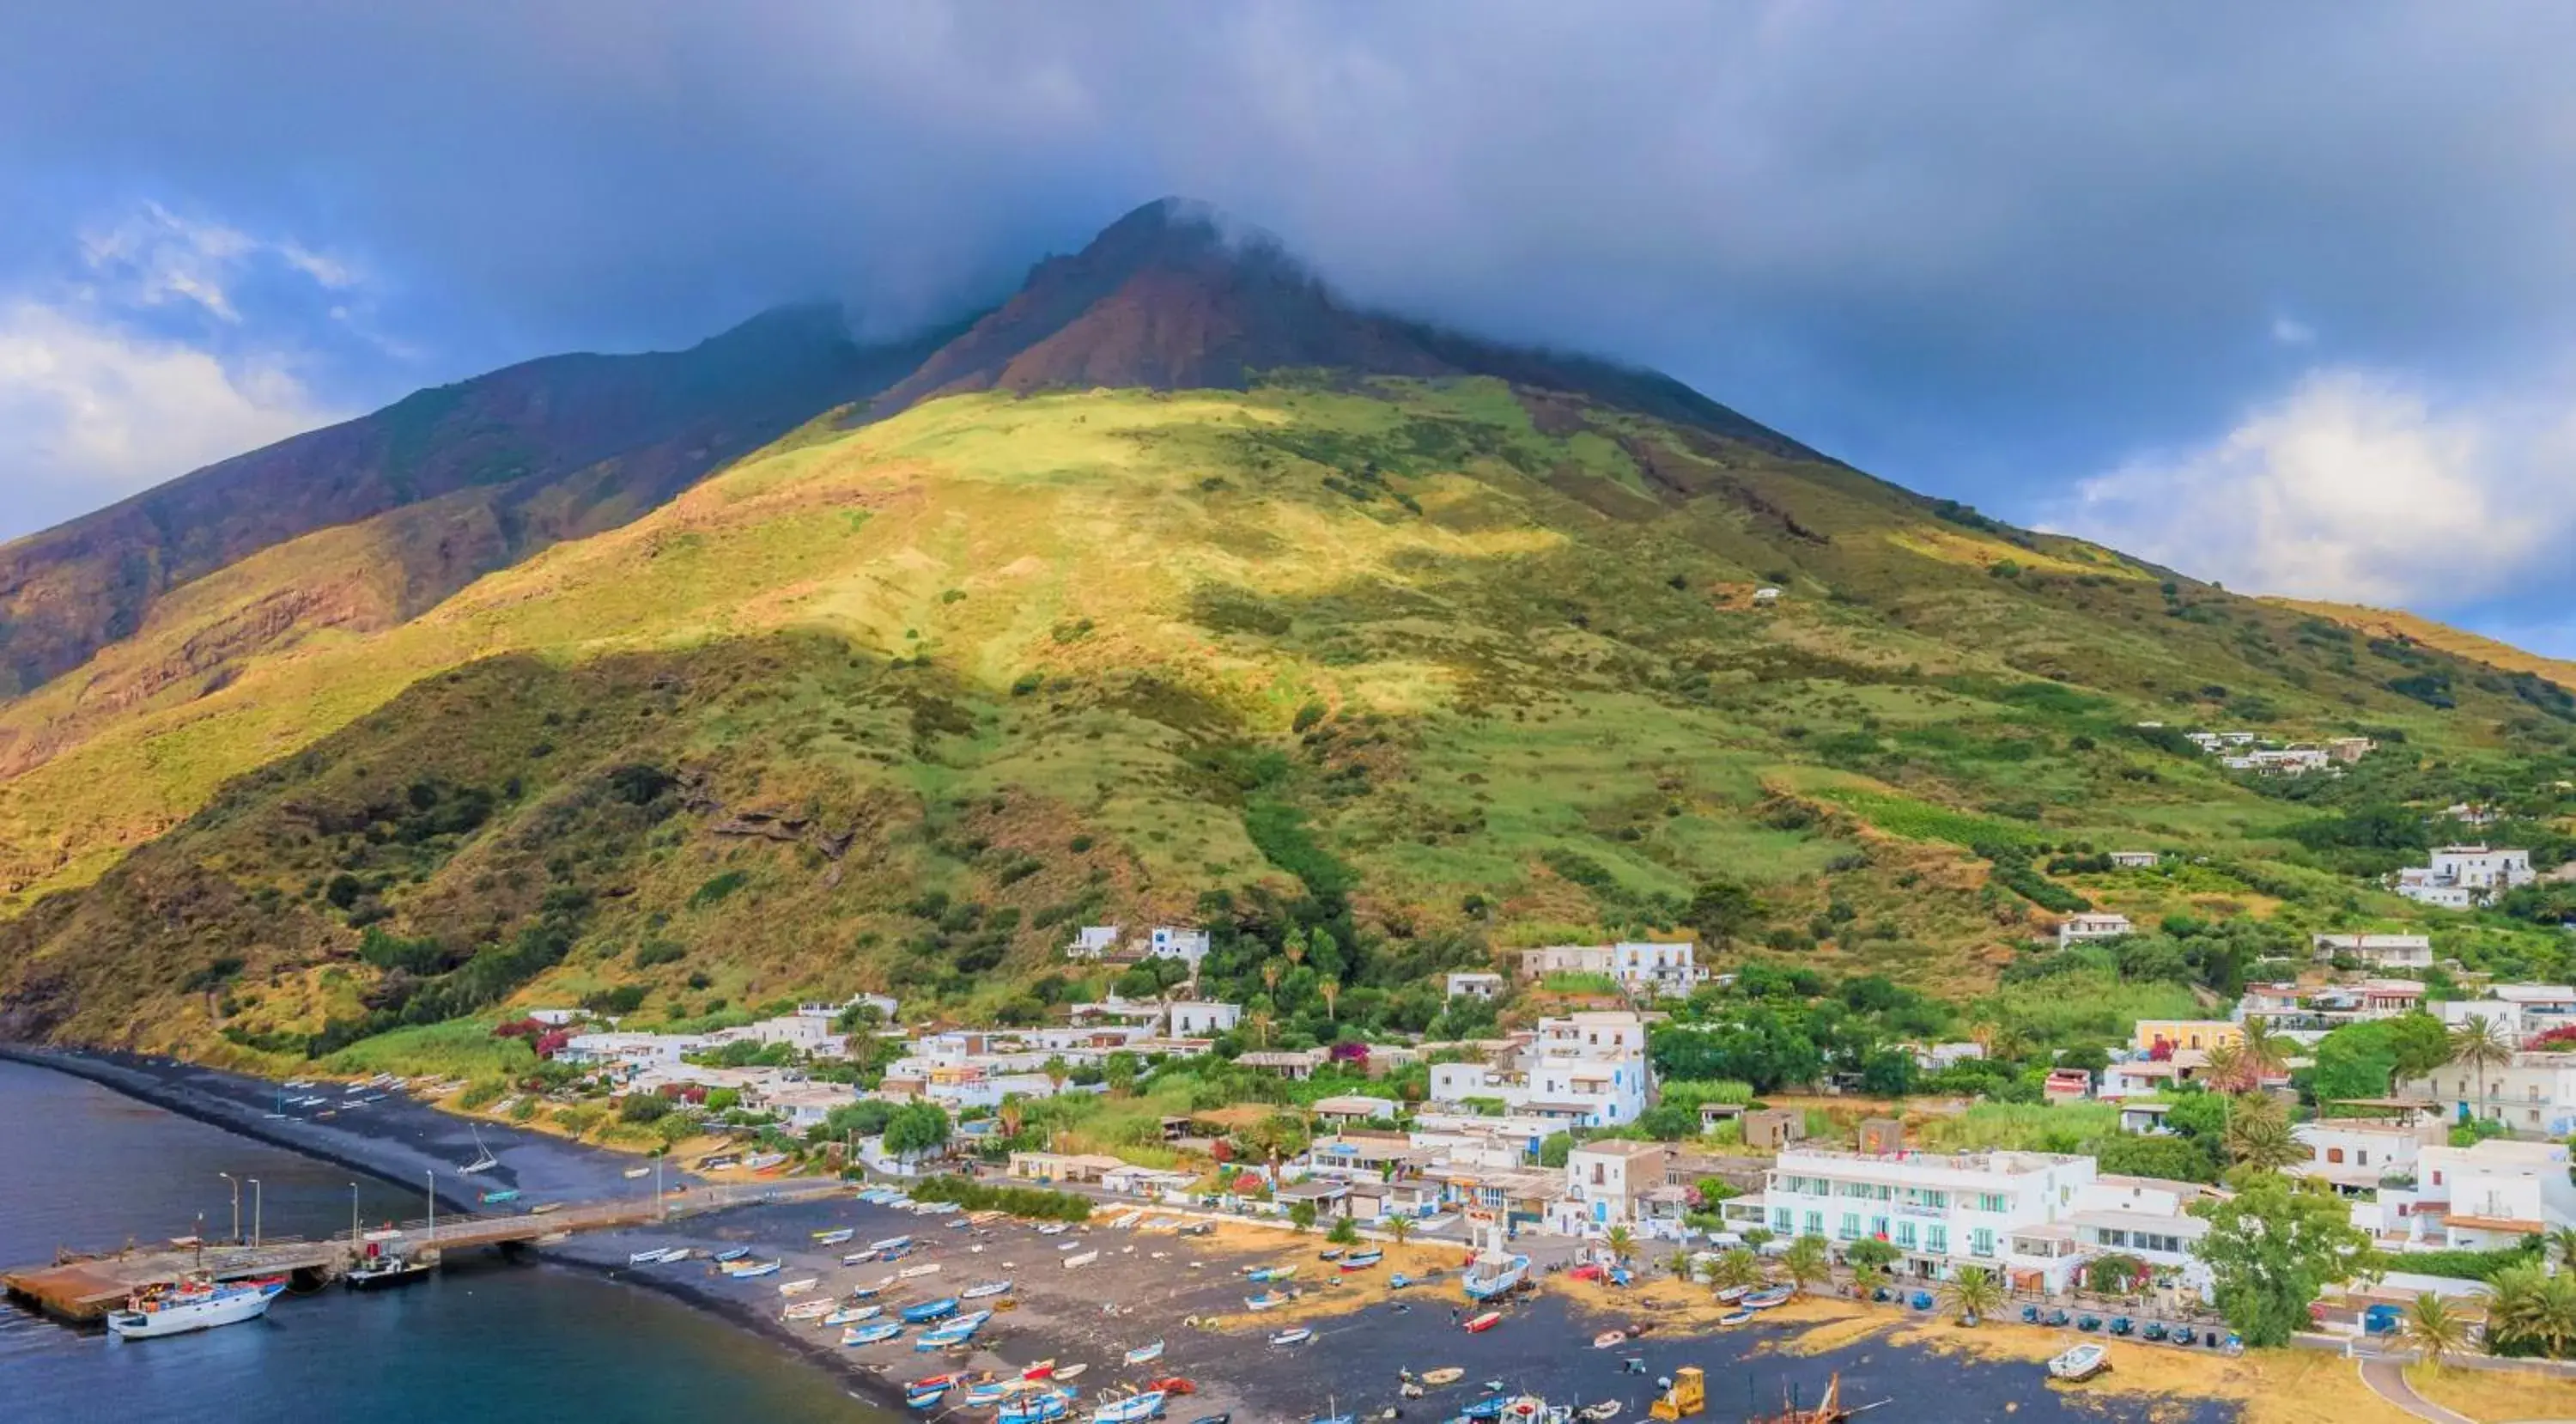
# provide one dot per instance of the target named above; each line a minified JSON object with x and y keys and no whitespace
{"x":853,"y":1314}
{"x":914,"y":1273}
{"x":1070,"y":1372}
{"x":1298,"y":1336}
{"x":1082,"y":1259}
{"x":750,"y":1270}
{"x":891,"y":1243}
{"x":799,"y":1287}
{"x":201,"y":1305}
{"x":808,"y":1309}
{"x":1134,"y":1409}
{"x":1145,"y":1354}
{"x":1127,"y":1220}
{"x":483,"y":1161}
{"x":983,"y":1289}
{"x":2081,"y":1363}
{"x":834,"y":1238}
{"x":634,"y":1172}
{"x":658,"y":1256}
{"x":1053,"y":1228}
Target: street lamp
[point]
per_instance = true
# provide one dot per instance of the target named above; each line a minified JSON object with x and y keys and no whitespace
{"x":229,"y":1177}
{"x":257,"y":1195}
{"x":353,"y":1216}
{"x":432,"y":1177}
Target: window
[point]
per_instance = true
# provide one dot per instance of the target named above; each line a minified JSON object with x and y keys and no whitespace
{"x":2334,"y":1154}
{"x":1851,"y":1226}
{"x":1878,"y":1227}
{"x":1905,"y":1234}
{"x":1936,"y":1239}
{"x":1981,"y":1241}
{"x":1815,"y":1223}
{"x":1782,"y":1218}
{"x":1994,"y":1202}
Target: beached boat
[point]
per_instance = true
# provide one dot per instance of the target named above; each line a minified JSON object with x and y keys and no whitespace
{"x":982,"y":1289}
{"x":483,"y":1161}
{"x":891,"y":1243}
{"x":500,"y":1197}
{"x":1264,"y":1275}
{"x":1828,"y":1410}
{"x":989,"y":1393}
{"x":2081,"y":1363}
{"x":834,"y":1237}
{"x":1766,"y":1299}
{"x":1735,"y":1317}
{"x":1298,"y":1336}
{"x":807,"y":1310}
{"x":753,"y":1270}
{"x":657,"y":1256}
{"x":1362,"y":1260}
{"x":1054,"y":1228}
{"x":930,"y":1310}
{"x":1134,"y":1409}
{"x":1267,"y":1300}
{"x":871,"y":1334}
{"x":853,"y":1314}
{"x":1479,"y":1324}
{"x":193,"y":1305}
{"x":1601,"y":1413}
{"x":1443,"y":1377}
{"x":925,"y":1397}
{"x":1036,"y":1407}
{"x":1491,"y":1277}
{"x":799,"y":1287}
{"x":730,"y":1254}
{"x":914,"y":1273}
{"x":763,"y":1161}
{"x":943,"y":1337}
{"x":1082,"y":1259}
{"x":1608,"y":1339}
{"x":634,"y":1172}
{"x":1126,"y":1220}
{"x":1073,"y":1371}
{"x":858,"y":1258}
{"x":1043,"y":1369}
{"x":1145,"y":1354}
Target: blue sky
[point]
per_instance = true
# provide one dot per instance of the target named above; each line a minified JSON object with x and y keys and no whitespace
{"x":2285,"y":297}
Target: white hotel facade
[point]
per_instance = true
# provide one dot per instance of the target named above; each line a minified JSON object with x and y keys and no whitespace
{"x":2033,"y":1218}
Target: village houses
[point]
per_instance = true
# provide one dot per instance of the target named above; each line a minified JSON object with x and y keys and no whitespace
{"x":2461,"y":877}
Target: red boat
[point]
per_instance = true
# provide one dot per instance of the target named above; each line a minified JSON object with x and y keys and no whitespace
{"x":1171,"y":1384}
{"x":1479,"y":1324}
{"x":945,"y":1381}
{"x":1043,"y":1369}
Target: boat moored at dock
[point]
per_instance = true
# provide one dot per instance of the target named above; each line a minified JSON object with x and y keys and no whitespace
{"x":185,"y":1306}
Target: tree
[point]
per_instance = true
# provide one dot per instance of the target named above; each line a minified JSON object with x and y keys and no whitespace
{"x":1331,"y":989}
{"x":2533,"y":1311}
{"x":2354,"y":1061}
{"x":1720,"y":910}
{"x":2420,"y":1042}
{"x":2435,"y":1330}
{"x":2171,"y":1156}
{"x":1734,"y":1269}
{"x":2259,"y":1136}
{"x":1972,"y":1295}
{"x":1807,"y":1261}
{"x":2200,"y":1116}
{"x":2271,"y":1248}
{"x":2559,"y":1246}
{"x":1301,"y":1215}
{"x":1554,"y":1148}
{"x":916,"y":1128}
{"x":1621,"y":1241}
{"x":2480,"y":1045}
{"x":1345,"y":1232}
{"x":1668,"y":1122}
{"x":1869,"y":1257}
{"x":1400,"y":1228}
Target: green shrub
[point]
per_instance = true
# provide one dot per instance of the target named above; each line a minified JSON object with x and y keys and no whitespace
{"x":717,"y":888}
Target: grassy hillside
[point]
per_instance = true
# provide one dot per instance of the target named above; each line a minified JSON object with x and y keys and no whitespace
{"x":2400,"y":626}
{"x":1428,"y":666}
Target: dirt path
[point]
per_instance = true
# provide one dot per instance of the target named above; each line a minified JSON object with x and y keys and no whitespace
{"x":2387,"y":1379}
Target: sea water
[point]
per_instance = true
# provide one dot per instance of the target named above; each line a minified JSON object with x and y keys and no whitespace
{"x":488,"y":1340}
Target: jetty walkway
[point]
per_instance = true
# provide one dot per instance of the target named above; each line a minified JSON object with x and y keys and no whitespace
{"x":87,"y":1287}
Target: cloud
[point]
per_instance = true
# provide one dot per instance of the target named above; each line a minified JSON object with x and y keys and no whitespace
{"x":2360,"y":486}
{"x":2290,"y":331}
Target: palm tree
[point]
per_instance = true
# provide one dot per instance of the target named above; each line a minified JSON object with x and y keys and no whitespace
{"x":2259,"y":1136}
{"x":1972,"y":1295}
{"x":1807,"y":1261}
{"x":1331,"y":989}
{"x":1270,"y":977}
{"x":2480,"y":1044}
{"x":2435,"y":1330}
{"x":2264,"y":1050}
{"x":1737,"y":1268}
{"x":2534,"y":1308}
{"x":1398,"y":1228}
{"x":1260,"y":1022}
{"x":2229,"y":1070}
{"x":2560,"y":1247}
{"x":1620,"y":1240}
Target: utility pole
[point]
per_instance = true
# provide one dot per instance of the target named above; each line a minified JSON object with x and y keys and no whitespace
{"x":201,"y":1240}
{"x":229,"y":1177}
{"x":353,"y":1218}
{"x":257,"y":1196}
{"x":657,"y":1188}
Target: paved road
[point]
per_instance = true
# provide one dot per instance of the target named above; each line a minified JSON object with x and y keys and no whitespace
{"x":2387,"y":1379}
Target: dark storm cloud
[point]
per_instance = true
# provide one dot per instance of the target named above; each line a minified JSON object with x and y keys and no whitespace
{"x":2059,"y":261}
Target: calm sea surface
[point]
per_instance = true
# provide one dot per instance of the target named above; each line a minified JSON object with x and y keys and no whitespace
{"x":487,"y":1341}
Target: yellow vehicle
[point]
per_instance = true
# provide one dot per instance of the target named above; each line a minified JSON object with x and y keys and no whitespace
{"x":1688,"y":1396}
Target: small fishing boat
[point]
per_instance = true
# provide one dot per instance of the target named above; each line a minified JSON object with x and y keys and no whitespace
{"x":1608,"y":1338}
{"x":1443,"y":1377}
{"x":925,"y":1396}
{"x":1298,"y":1336}
{"x":1267,"y":1300}
{"x":943,"y":1337}
{"x":1043,"y":1369}
{"x":858,"y":1258}
{"x":1127,"y":1220}
{"x":634,"y":1172}
{"x":763,"y":1161}
{"x":982,"y":1289}
{"x":1732,"y":1294}
{"x":500,"y":1197}
{"x":653,"y":1257}
{"x":1606,"y":1410}
{"x":1134,"y":1409}
{"x":853,"y":1314}
{"x":1766,"y":1299}
{"x":914,"y":1273}
{"x":1494,"y":1276}
{"x":930,"y":1310}
{"x":1145,"y":1354}
{"x":1037,"y":1407}
{"x":871,"y":1334}
{"x":753,"y":1270}
{"x":1072,"y":1371}
{"x":989,"y":1393}
{"x":730,"y":1254}
{"x":1053,"y":1228}
{"x":876,"y":1287}
{"x":1398,"y":1281}
{"x":834,"y":1237}
{"x":1082,"y":1259}
{"x":891,"y":1243}
{"x":389,"y":1269}
{"x":1735,"y":1317}
{"x":799,"y":1287}
{"x":807,"y":1310}
{"x":1265,"y":1275}
{"x":1479,"y":1324}
{"x":1362,"y":1260}
{"x":2081,"y":1363}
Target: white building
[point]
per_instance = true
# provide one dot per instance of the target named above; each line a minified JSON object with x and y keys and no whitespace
{"x":2359,"y":1154}
{"x":1473,"y":984}
{"x":2097,"y":925}
{"x":2135,"y":859}
{"x":2033,"y":1217}
{"x":1093,"y":942}
{"x":2462,"y":876}
{"x":1202,"y":1018}
{"x":2497,"y":1192}
{"x":2534,"y":1095}
{"x":2378,"y":951}
{"x":1606,"y":1185}
{"x":1179,"y":942}
{"x":1586,"y":1069}
{"x":1641,"y":966}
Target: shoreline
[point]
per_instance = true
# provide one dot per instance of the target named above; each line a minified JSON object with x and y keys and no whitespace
{"x":1153,"y":1285}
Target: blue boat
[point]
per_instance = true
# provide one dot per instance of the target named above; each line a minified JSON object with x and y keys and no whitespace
{"x":930,"y":1310}
{"x":1043,"y":1408}
{"x":1492,"y":1278}
{"x":1490,"y":1407}
{"x":925,"y":1397}
{"x":1765,"y":1299}
{"x":730,"y":1253}
{"x":506,"y":1194}
{"x":871,"y":1334}
{"x":1398,"y":1281}
{"x":1362,"y":1260}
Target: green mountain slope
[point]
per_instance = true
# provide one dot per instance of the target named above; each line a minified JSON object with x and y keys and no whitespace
{"x":1422,"y":663}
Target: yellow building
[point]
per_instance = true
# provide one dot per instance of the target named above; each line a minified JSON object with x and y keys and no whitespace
{"x":2199,"y":1034}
